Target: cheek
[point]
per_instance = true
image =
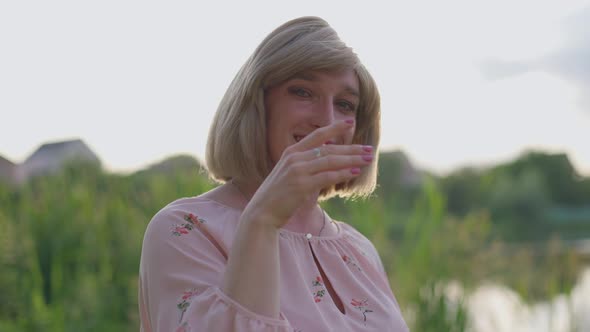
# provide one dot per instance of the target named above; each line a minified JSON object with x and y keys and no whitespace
{"x":275,"y":143}
{"x":349,"y":135}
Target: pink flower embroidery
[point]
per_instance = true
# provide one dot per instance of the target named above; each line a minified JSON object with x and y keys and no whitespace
{"x":192,"y":218}
{"x":180,"y":230}
{"x":362,"y":306}
{"x":317,"y":295}
{"x":185,"y":302}
{"x":184,"y":328}
{"x":318,"y":281}
{"x":189,"y":293}
{"x":192,"y":222}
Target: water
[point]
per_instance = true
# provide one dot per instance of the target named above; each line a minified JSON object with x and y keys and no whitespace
{"x":496,"y":308}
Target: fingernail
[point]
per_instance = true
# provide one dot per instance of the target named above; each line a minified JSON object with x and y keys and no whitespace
{"x":368,"y":148}
{"x":367,"y":157}
{"x":349,"y":121}
{"x":355,"y":170}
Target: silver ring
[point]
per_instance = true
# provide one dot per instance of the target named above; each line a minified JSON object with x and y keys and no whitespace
{"x":317,"y":152}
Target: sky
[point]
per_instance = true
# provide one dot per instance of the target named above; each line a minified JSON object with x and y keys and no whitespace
{"x":463,"y":83}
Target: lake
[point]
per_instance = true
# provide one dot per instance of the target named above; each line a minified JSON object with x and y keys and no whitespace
{"x":496,"y":308}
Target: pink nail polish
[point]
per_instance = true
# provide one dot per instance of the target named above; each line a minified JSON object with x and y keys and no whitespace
{"x":368,"y":148}
{"x":367,"y":157}
{"x":355,"y":171}
{"x":349,"y":121}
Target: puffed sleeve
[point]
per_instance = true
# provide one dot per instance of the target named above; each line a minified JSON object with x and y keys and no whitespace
{"x":181,"y":271}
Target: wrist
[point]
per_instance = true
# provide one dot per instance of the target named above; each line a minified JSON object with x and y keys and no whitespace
{"x":261,"y":223}
{"x":257,"y":217}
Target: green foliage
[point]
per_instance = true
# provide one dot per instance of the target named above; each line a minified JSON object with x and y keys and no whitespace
{"x":436,"y":313}
{"x":559,"y":174}
{"x":70,"y":242}
{"x":463,"y":191}
{"x":533,"y":198}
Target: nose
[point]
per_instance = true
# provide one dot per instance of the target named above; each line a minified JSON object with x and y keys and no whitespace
{"x":323,"y":114}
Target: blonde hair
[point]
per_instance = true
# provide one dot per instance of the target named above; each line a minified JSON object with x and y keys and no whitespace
{"x":237,"y":144}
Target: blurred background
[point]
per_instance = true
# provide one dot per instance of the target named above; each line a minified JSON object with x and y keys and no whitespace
{"x":482,"y":214}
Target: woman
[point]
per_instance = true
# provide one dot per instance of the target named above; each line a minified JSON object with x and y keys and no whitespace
{"x":298,"y":124}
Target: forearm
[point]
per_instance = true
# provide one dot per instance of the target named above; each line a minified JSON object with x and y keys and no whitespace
{"x":252,"y":274}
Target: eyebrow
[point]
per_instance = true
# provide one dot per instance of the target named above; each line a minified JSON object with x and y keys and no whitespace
{"x":305,"y":76}
{"x":313,"y":78}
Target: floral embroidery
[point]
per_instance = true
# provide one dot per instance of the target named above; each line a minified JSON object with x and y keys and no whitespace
{"x":362,"y":306}
{"x":191,"y":223}
{"x":184,"y":328}
{"x":185,"y":302}
{"x":318,"y":281}
{"x":317,"y":296}
{"x":349,"y":262}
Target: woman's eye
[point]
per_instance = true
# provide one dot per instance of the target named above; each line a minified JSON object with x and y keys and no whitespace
{"x":348,"y":106}
{"x":300,"y":92}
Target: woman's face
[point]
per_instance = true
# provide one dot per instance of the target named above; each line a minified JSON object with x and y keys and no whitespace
{"x":306,"y":102}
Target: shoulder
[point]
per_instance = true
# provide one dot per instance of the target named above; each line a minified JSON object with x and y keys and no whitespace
{"x":362,"y":244}
{"x":197,"y":208}
{"x":184,"y":216}
{"x":354,"y":235}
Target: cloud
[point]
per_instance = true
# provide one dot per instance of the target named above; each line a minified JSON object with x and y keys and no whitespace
{"x":571,"y":62}
{"x":493,"y":69}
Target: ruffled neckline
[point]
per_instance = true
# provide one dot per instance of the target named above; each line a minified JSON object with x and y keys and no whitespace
{"x":285,"y":232}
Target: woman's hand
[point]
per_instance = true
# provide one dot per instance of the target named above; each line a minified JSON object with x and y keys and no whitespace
{"x":300,"y":174}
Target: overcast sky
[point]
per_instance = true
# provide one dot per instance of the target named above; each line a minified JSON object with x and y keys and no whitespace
{"x":462,"y":82}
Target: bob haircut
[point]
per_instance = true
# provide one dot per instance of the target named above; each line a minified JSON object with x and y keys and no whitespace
{"x":237,"y":143}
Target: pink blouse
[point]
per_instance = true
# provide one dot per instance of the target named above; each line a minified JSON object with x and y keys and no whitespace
{"x":184,"y":256}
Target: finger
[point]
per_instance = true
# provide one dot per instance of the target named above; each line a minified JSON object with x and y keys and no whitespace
{"x":334,"y":162}
{"x":321,"y":135}
{"x":330,"y":178}
{"x":333,"y":149}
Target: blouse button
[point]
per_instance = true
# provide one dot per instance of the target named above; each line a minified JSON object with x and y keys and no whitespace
{"x":308,"y":236}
